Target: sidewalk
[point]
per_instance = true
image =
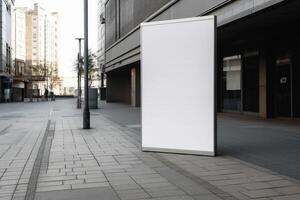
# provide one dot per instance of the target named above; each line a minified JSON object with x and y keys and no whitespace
{"x":21,"y":133}
{"x":106,"y":163}
{"x":273,"y":143}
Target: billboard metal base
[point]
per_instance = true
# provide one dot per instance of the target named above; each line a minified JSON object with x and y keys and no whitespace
{"x":178,"y":151}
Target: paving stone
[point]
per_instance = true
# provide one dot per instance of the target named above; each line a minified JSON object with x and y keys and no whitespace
{"x":86,"y":176}
{"x":72,"y":182}
{"x":290,"y":197}
{"x":51,"y":183}
{"x":175,"y":198}
{"x":95,"y":180}
{"x":103,"y":193}
{"x":52,"y":174}
{"x":230,"y":182}
{"x":75,"y":173}
{"x":261,"y":193}
{"x":132,"y":194}
{"x":265,"y":178}
{"x":288,"y":190}
{"x":126,"y":187}
{"x":206,"y":197}
{"x":57,"y":178}
{"x":256,"y":186}
{"x":155,"y":185}
{"x":165,"y":193}
{"x":89,"y":185}
{"x":8,"y":182}
{"x":281,"y":183}
{"x":232,"y":188}
{"x":194,"y":189}
{"x":94,"y":171}
{"x":53,"y":188}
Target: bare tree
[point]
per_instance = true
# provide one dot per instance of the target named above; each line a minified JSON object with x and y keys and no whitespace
{"x":53,"y":78}
{"x":92,"y":66}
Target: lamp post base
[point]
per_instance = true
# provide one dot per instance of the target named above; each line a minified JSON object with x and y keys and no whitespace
{"x":86,"y":119}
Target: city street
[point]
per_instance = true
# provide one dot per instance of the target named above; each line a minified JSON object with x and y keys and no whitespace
{"x":45,"y":154}
{"x":141,"y":99}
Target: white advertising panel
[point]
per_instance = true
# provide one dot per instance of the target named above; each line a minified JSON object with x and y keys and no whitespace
{"x":178,"y":86}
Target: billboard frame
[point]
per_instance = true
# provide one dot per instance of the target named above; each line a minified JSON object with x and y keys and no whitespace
{"x":181,"y":151}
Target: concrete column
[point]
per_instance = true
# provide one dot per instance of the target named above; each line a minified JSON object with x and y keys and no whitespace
{"x":263,"y":87}
{"x":133,"y":87}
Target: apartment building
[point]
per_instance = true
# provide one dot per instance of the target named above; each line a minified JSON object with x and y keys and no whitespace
{"x":20,"y":79}
{"x":51,"y":52}
{"x":35,"y":48}
{"x":257,"y":52}
{"x":6,"y":7}
{"x":35,"y":42}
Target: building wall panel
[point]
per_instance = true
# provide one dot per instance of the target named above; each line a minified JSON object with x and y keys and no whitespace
{"x":234,"y":10}
{"x":110,"y":17}
{"x":133,"y":12}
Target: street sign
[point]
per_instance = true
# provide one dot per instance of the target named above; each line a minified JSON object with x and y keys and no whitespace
{"x":178,"y":86}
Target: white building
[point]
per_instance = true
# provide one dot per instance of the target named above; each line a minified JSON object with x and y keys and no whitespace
{"x":18,"y":29}
{"x":6,"y":7}
{"x":35,"y":38}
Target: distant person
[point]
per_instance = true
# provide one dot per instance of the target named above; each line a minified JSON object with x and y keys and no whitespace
{"x":52,"y":96}
{"x":46,"y":94}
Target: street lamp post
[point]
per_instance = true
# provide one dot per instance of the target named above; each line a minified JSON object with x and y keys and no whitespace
{"x":86,"y":111}
{"x":79,"y":67}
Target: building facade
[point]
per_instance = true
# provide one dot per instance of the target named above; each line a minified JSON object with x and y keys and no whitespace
{"x":20,"y":72}
{"x":35,"y":49}
{"x":6,"y":7}
{"x":257,"y":51}
{"x":51,"y":53}
{"x":101,"y":47}
{"x":101,"y":32}
{"x":36,"y":44}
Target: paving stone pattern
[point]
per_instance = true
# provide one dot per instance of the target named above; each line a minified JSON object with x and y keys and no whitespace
{"x":109,"y":156}
{"x":19,"y":145}
{"x":106,"y":163}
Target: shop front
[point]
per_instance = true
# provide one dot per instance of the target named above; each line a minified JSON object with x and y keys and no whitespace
{"x":258,"y":64}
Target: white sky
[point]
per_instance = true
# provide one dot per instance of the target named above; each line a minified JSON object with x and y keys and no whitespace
{"x":70,"y":27}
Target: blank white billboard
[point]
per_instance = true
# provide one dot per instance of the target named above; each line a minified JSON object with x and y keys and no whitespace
{"x":178,"y":86}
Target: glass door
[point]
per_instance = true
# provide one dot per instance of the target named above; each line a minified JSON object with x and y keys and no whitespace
{"x":232,"y":83}
{"x":251,"y":82}
{"x":284,"y":91}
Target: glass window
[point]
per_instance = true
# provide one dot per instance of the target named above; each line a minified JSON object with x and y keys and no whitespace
{"x":232,"y":83}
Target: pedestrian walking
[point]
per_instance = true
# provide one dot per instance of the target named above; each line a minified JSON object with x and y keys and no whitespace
{"x":46,"y":94}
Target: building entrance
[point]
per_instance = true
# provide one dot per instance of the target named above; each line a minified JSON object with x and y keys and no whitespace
{"x":251,"y":82}
{"x":232,"y":84}
{"x":284,"y":88}
{"x":241,"y":83}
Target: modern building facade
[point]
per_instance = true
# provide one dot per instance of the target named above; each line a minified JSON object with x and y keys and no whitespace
{"x":20,"y":72}
{"x":36,"y":44}
{"x":6,"y":7}
{"x":51,"y":52}
{"x":257,"y":52}
{"x":101,"y":31}
{"x":101,"y":47}
{"x":35,"y":49}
